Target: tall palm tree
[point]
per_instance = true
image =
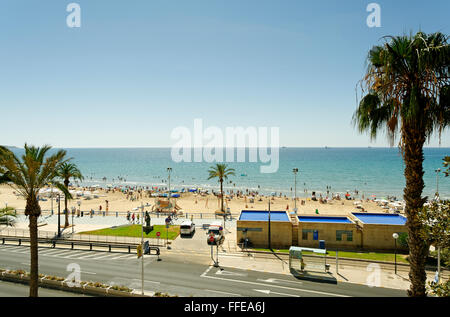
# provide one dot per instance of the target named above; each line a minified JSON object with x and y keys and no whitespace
{"x":67,"y":171}
{"x":407,"y":93}
{"x":221,"y":171}
{"x":28,"y":174}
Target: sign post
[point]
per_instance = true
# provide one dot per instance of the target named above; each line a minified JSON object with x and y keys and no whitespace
{"x":157,"y":235}
{"x":167,"y":233}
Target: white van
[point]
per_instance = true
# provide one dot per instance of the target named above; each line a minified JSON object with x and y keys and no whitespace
{"x":187,"y":227}
{"x":215,"y":229}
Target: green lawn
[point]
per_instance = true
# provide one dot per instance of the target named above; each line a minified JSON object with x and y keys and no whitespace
{"x":388,"y":257}
{"x":136,"y":231}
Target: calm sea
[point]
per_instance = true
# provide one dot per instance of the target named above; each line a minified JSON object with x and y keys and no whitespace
{"x":373,"y":171}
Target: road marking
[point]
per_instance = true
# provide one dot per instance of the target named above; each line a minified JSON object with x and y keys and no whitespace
{"x":104,"y":256}
{"x":55,"y":253}
{"x":210,"y":290}
{"x":267,"y":292}
{"x":124,"y":256}
{"x":147,"y":281}
{"x":274,"y":280}
{"x":12,"y":249}
{"x":87,"y":256}
{"x":267,"y":285}
{"x":206,"y":272}
{"x":51,"y":252}
{"x":74,"y":254}
{"x":229,"y":273}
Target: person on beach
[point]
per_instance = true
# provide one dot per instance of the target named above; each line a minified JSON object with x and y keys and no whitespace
{"x":132,"y":218}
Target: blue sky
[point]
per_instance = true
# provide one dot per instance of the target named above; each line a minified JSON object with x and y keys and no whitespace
{"x":135,"y":70}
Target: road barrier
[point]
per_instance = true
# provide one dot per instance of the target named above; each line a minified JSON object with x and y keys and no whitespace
{"x":72,"y":243}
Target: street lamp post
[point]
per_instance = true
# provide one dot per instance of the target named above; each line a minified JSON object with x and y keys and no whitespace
{"x":270,"y":244}
{"x":51,"y":197}
{"x":169,"y":170}
{"x":295,"y":170}
{"x":59,"y":220}
{"x":142,"y":244}
{"x":7,"y":217}
{"x":437,"y":182}
{"x":395,"y":236}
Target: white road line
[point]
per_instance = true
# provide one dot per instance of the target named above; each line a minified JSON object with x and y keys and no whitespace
{"x":11,"y":249}
{"x":104,"y":256}
{"x":88,"y":256}
{"x":206,"y":272}
{"x":57,"y":253}
{"x":51,"y":251}
{"x":210,"y":290}
{"x":73,"y":254}
{"x":124,"y":256}
{"x":268,"y":285}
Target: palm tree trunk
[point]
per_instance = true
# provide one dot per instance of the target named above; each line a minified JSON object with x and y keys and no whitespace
{"x":66,"y":224}
{"x":33,"y":210}
{"x":413,"y":141}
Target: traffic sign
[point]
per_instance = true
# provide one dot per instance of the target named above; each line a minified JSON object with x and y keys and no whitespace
{"x":211,"y":239}
{"x":158,"y":234}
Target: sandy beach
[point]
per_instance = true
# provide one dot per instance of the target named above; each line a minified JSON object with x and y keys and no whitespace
{"x":192,"y":203}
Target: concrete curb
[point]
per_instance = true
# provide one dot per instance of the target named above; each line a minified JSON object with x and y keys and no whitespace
{"x":63,"y":286}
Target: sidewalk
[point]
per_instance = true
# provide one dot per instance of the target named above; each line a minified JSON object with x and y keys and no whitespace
{"x":373,"y":274}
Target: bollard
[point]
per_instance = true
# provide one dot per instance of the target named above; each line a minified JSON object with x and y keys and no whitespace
{"x":109,"y":248}
{"x":72,"y":245}
{"x":117,"y":214}
{"x":20,"y":241}
{"x":90,"y":246}
{"x":129,"y":249}
{"x":103,"y":214}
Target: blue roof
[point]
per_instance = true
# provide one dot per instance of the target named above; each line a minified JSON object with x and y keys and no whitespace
{"x":261,"y":215}
{"x":324,"y":219}
{"x":381,"y":219}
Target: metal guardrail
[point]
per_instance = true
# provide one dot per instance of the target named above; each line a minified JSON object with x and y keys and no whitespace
{"x":15,"y":232}
{"x":72,"y":243}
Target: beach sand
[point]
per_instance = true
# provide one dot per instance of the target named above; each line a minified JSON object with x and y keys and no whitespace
{"x":192,"y":203}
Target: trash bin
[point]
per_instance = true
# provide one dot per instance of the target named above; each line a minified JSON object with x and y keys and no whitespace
{"x":321,"y":244}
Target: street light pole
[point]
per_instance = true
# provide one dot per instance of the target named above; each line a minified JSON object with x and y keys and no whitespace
{"x":437,"y":182}
{"x":395,"y":236}
{"x":270,"y":244}
{"x":59,"y":220}
{"x":169,"y":169}
{"x":52,"y":197}
{"x":142,"y":244}
{"x":7,"y":217}
{"x":295,"y":170}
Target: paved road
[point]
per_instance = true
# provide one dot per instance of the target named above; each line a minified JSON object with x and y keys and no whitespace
{"x":8,"y":289}
{"x":183,"y":274}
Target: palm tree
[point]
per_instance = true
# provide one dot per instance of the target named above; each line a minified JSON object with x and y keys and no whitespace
{"x":5,"y":214}
{"x":221,"y":171}
{"x":28,"y":174}
{"x":67,"y":171}
{"x":407,"y":93}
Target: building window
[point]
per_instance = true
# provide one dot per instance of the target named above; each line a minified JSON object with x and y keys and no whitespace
{"x":305,"y":233}
{"x":339,"y":234}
